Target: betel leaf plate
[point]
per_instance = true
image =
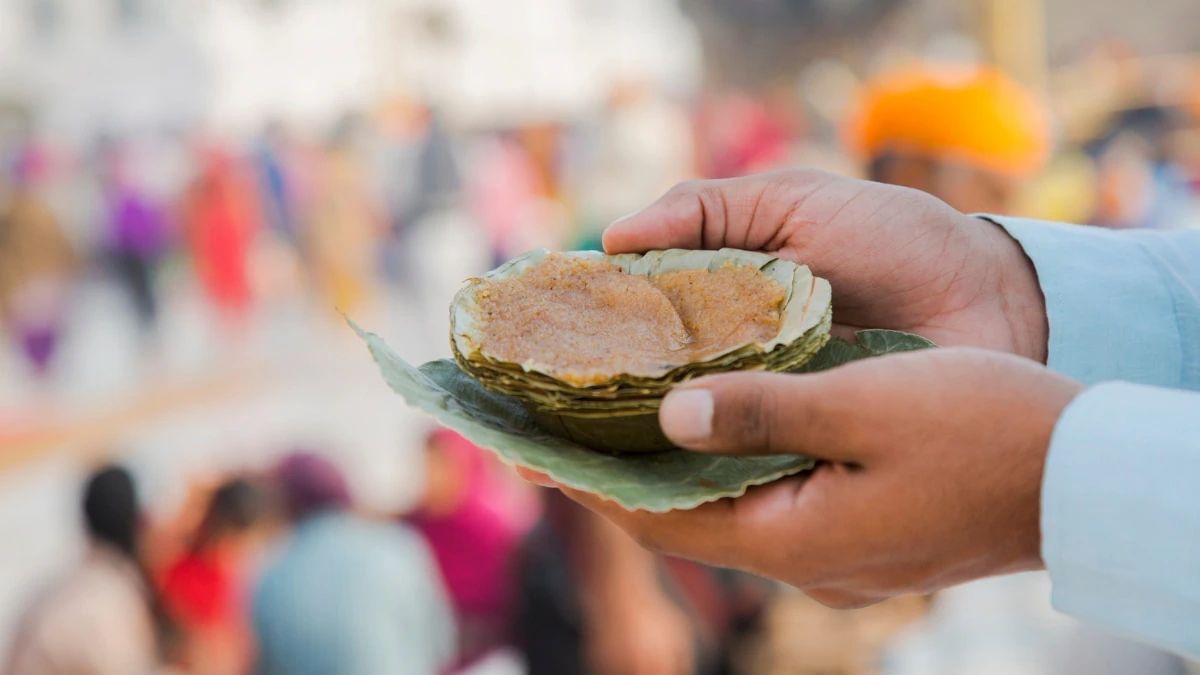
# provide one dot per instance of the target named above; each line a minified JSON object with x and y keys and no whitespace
{"x":661,"y":481}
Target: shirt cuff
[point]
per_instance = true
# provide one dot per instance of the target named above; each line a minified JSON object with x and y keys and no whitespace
{"x":1111,"y":315}
{"x":1120,"y":532}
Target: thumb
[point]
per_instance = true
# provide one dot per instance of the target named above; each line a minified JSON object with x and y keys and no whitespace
{"x":762,"y":413}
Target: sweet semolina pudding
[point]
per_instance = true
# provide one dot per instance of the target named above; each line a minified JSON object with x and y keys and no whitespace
{"x":588,"y":319}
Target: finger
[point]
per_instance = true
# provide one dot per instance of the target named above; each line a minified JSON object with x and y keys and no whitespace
{"x":702,"y":533}
{"x":768,"y":413}
{"x":845,"y":331}
{"x":735,"y":533}
{"x":842,"y":599}
{"x":747,"y":212}
{"x":745,"y":532}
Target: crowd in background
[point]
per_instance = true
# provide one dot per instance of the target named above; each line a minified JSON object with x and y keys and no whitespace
{"x":331,"y":215}
{"x":283,"y":571}
{"x":279,"y":571}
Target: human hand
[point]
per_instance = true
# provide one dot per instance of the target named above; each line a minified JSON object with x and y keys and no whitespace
{"x":933,"y":473}
{"x":896,"y":258}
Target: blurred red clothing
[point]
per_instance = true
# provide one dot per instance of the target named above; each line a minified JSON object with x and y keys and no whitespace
{"x":205,"y":595}
{"x":223,"y":221}
{"x":198,"y":591}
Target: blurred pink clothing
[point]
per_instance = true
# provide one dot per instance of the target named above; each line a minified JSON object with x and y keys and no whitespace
{"x":475,"y":544}
{"x":740,"y":135}
{"x":503,"y":192}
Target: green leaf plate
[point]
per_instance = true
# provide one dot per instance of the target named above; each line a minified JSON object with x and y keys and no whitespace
{"x":662,"y":481}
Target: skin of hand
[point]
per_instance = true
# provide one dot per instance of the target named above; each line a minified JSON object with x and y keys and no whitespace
{"x":932,"y":477}
{"x":633,"y":627}
{"x":897,"y":258}
{"x":934,"y":459}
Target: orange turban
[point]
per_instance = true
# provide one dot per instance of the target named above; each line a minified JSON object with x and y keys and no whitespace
{"x":973,"y":114}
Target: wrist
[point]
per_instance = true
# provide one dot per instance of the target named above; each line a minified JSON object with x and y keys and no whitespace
{"x":1019,"y":297}
{"x":1047,"y":399}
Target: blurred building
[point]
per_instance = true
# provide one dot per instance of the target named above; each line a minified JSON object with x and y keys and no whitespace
{"x":568,"y":54}
{"x":764,"y":41}
{"x":80,"y":68}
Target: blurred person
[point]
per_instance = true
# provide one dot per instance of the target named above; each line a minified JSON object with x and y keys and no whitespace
{"x":345,"y":594}
{"x":544,"y":141}
{"x":590,"y":600}
{"x":169,"y":536}
{"x":285,"y":169}
{"x":737,"y":133}
{"x":345,"y":225}
{"x":1138,"y":184}
{"x":418,"y":181}
{"x":1185,"y":151}
{"x":546,"y":218}
{"x":400,"y":123}
{"x":38,"y":264}
{"x":273,"y":162}
{"x":473,"y":521}
{"x":968,"y":134}
{"x":205,"y":591}
{"x":503,"y":193}
{"x":438,"y":177}
{"x":222,"y":224}
{"x":640,"y":145}
{"x":138,"y":229}
{"x":1126,"y":184}
{"x":99,"y":619}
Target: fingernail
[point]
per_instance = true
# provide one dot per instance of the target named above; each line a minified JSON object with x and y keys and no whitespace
{"x":686,"y":416}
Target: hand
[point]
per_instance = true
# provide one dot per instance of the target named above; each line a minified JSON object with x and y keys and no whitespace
{"x":896,"y":258}
{"x":934,"y":474}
